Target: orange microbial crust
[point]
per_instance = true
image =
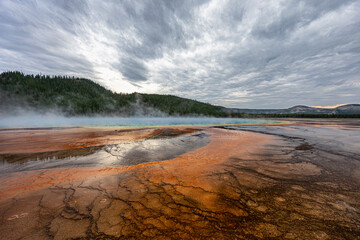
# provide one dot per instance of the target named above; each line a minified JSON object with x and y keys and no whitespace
{"x":242,"y":185}
{"x":45,"y":140}
{"x":224,"y":143}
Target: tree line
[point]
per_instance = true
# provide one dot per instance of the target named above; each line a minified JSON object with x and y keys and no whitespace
{"x":79,"y":96}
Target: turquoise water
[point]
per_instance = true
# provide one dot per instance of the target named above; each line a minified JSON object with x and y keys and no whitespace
{"x":61,"y":121}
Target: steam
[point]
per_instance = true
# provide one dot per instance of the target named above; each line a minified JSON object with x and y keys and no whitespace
{"x":11,"y":105}
{"x":28,"y":119}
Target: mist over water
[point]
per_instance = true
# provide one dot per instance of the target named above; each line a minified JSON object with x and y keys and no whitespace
{"x":54,"y":120}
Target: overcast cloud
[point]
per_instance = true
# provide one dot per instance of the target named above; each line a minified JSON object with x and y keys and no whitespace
{"x":255,"y":54}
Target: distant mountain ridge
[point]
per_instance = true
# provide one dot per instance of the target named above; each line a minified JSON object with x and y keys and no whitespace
{"x":300,"y":109}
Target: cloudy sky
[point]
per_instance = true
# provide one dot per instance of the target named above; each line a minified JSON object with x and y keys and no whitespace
{"x":255,"y":54}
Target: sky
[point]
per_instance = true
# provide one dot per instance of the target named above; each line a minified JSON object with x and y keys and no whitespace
{"x":244,"y":54}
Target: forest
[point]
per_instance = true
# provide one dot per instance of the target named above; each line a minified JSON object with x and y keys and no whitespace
{"x":72,"y":96}
{"x":78,"y":96}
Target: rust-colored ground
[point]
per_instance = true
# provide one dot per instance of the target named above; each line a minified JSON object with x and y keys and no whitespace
{"x":242,"y":185}
{"x":44,"y":140}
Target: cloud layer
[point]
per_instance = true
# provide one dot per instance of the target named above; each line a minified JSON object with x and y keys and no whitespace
{"x":255,"y":54}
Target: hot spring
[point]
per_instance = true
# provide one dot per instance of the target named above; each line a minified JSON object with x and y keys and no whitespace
{"x":49,"y":120}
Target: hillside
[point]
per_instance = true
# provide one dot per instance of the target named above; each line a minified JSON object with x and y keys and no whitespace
{"x":77,"y":96}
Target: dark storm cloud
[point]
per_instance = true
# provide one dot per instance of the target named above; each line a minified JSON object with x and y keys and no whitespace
{"x":133,"y":70}
{"x":233,"y":53}
{"x":295,"y":14}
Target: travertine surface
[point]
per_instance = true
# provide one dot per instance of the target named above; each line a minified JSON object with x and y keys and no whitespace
{"x":241,"y":185}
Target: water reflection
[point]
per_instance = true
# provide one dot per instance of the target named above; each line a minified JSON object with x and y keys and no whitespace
{"x":158,"y":148}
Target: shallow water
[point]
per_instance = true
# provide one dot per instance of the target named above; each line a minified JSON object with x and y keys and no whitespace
{"x":50,"y":120}
{"x":342,"y":139}
{"x":111,"y":155}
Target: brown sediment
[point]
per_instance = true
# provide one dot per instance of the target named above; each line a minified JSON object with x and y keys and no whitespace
{"x":242,"y":185}
{"x":171,"y":132}
{"x":304,"y":146}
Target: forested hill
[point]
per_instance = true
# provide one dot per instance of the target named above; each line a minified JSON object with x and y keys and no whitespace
{"x":77,"y":96}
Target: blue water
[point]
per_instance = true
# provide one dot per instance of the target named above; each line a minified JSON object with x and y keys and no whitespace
{"x":34,"y":120}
